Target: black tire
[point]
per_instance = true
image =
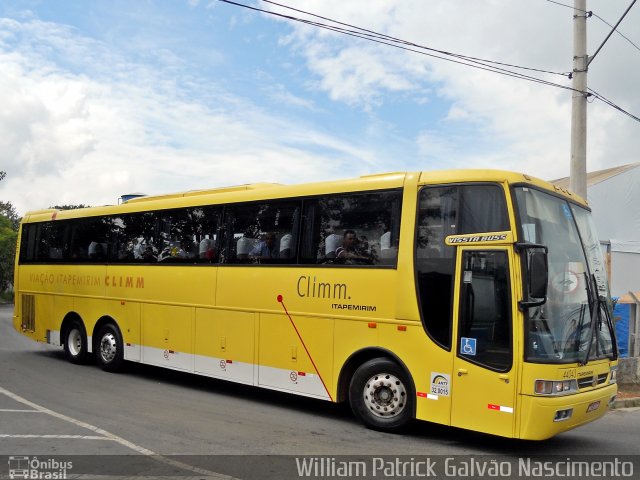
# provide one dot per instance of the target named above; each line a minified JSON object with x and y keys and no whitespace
{"x":75,"y":342}
{"x":109,"y":348}
{"x":381,"y":395}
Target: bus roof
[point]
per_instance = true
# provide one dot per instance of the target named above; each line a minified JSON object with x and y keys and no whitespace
{"x":264,"y":191}
{"x":485,"y":175}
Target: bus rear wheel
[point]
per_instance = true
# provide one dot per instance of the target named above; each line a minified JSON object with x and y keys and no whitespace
{"x":381,"y":395}
{"x":109,"y":348}
{"x":75,"y":342}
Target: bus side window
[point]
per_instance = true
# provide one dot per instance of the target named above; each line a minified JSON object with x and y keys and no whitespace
{"x":205,"y":222}
{"x":177,"y":237}
{"x":88,"y":239}
{"x":48,"y":241}
{"x":352,"y":229}
{"x":133,"y":238}
{"x":261,"y":233}
{"x":28,"y":242}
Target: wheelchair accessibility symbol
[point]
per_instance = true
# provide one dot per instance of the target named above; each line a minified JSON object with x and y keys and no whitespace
{"x":468,"y":346}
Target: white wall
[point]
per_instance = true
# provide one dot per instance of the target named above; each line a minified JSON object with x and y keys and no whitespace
{"x":625,"y":273}
{"x":615,"y":203}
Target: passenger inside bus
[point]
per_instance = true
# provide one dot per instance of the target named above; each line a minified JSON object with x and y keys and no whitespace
{"x":265,"y":248}
{"x":353,"y":248}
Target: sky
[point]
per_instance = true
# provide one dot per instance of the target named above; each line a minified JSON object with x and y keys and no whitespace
{"x":103,"y":98}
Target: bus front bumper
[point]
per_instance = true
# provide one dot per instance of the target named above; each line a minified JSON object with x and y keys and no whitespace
{"x":548,"y":416}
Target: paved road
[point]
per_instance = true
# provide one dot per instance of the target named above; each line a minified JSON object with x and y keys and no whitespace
{"x":51,"y":407}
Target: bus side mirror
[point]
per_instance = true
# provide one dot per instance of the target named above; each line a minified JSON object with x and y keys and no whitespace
{"x":536,"y":274}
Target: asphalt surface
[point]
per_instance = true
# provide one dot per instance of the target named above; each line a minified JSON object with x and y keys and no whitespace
{"x":51,"y":407}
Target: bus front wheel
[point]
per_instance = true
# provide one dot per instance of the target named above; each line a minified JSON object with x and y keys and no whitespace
{"x":75,"y":342}
{"x":109,"y":348}
{"x":381,"y":396}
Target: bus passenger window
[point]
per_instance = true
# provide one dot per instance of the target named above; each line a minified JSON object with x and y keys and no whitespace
{"x":88,"y":239}
{"x":134,"y":238}
{"x":177,"y":237}
{"x":352,"y":229}
{"x":53,"y":240}
{"x":28,"y":242}
{"x":205,"y":222}
{"x":261,"y":233}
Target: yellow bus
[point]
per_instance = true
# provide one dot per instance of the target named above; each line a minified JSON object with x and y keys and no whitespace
{"x":476,"y":299}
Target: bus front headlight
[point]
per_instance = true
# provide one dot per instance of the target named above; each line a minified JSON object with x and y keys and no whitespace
{"x":555,"y":387}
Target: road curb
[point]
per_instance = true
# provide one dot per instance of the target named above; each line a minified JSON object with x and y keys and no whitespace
{"x":626,"y":403}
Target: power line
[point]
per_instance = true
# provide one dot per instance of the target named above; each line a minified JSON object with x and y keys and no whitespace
{"x":412,"y":44}
{"x":569,"y":6}
{"x":370,"y":35}
{"x":610,"y":33}
{"x":611,"y":104}
{"x":400,"y":44}
{"x":590,"y":13}
{"x":618,"y":32}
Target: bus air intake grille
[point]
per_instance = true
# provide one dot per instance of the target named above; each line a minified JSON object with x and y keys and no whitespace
{"x":589,"y":382}
{"x":585,"y":382}
{"x":29,"y":313}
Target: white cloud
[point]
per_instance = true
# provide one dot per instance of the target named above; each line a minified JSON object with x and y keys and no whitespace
{"x":357,"y":76}
{"x":529,"y":124}
{"x":74,"y":139}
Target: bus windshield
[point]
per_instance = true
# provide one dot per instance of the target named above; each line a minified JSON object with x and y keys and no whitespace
{"x":574,"y":324}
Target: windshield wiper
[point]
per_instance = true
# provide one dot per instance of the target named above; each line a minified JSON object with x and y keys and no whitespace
{"x":595,"y":302}
{"x":579,"y":327}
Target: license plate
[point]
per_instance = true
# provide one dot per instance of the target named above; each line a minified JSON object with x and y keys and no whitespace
{"x":593,"y":406}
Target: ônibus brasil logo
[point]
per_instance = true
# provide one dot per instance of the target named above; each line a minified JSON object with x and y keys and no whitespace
{"x":28,"y":468}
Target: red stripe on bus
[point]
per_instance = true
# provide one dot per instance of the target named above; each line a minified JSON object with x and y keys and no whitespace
{"x":293,"y":324}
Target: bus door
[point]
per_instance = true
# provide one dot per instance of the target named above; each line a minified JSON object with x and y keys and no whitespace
{"x":483,"y":377}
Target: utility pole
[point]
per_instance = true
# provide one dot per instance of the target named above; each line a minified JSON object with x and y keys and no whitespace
{"x":578,"y":174}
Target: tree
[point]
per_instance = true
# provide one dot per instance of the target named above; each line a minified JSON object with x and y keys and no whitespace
{"x":70,"y":207}
{"x":9,"y":222}
{"x":7,"y":211}
{"x":8,"y":237}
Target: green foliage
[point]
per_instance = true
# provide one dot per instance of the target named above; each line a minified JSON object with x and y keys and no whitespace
{"x":70,"y":207}
{"x":9,"y":222}
{"x":7,"y":211}
{"x":8,"y":237}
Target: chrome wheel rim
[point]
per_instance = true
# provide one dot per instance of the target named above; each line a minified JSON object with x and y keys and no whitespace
{"x":108,"y":347}
{"x":74,"y":342}
{"x":385,"y":395}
